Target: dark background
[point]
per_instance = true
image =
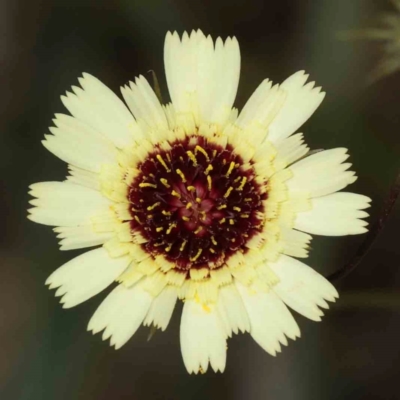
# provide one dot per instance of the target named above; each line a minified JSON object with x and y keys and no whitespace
{"x":45,"y":352}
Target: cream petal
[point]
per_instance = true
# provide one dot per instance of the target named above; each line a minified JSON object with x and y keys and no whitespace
{"x":300,"y":103}
{"x":203,"y":338}
{"x":232,"y":310}
{"x":86,"y":275}
{"x":270,"y":320}
{"x":144,"y":104}
{"x":321,"y":173}
{"x":76,"y":143}
{"x":336,"y":214}
{"x":83,"y":177}
{"x":79,"y":237}
{"x":65,"y":204}
{"x":121,"y":313}
{"x":262,"y":108}
{"x":301,"y":287}
{"x":162,"y":308}
{"x":202,"y":76}
{"x":100,"y":108}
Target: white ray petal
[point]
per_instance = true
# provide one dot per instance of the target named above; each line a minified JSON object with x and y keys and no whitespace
{"x":86,"y":275}
{"x":121,"y":313}
{"x":295,"y":243}
{"x":202,"y":78}
{"x":162,"y":308}
{"x":83,"y":177}
{"x":65,"y":204}
{"x":290,"y":150}
{"x":100,"y":108}
{"x":336,"y":214}
{"x":144,"y":104}
{"x":301,"y":287}
{"x":270,"y":320}
{"x":203,"y":338}
{"x":76,"y":143}
{"x":262,"y":107}
{"x":321,"y":173}
{"x":301,"y":102}
{"x":79,"y":237}
{"x":232,"y":310}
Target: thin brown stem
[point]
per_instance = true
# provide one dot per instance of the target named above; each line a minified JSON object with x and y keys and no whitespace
{"x":371,"y":236}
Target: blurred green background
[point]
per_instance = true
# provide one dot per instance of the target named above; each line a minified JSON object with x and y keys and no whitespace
{"x":46,"y":353}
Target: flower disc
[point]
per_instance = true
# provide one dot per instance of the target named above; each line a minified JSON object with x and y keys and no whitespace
{"x":196,"y":203}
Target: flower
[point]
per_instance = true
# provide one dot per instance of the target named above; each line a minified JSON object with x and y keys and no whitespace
{"x":192,"y":201}
{"x":388,"y":32}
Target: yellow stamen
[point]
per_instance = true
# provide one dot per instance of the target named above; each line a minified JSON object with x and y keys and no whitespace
{"x":149,"y":216}
{"x":237,"y":179}
{"x":166,"y":212}
{"x":237,"y":209}
{"x":137,"y":219}
{"x":171,"y":226}
{"x":244,"y":216}
{"x":159,"y":229}
{"x":241,"y":186}
{"x":191,"y":188}
{"x":183,"y":245}
{"x":192,"y":157}
{"x":221,"y":221}
{"x":176,"y":194}
{"x":168,"y":248}
{"x":189,"y":205}
{"x":145,"y":184}
{"x":221,"y":207}
{"x":231,"y":222}
{"x":208,"y":169}
{"x":149,"y":208}
{"x":198,"y":199}
{"x":201,"y":150}
{"x":198,"y":230}
{"x":228,"y":192}
{"x":197,"y":255}
{"x":209,"y":182}
{"x":186,"y":218}
{"x":212,"y":250}
{"x":162,"y":162}
{"x":231,"y":166}
{"x":214,"y":242}
{"x":180,"y":173}
{"x":248,"y":199}
{"x":165,"y":182}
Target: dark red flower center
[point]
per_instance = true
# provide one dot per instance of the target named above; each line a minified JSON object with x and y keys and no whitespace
{"x":196,"y":203}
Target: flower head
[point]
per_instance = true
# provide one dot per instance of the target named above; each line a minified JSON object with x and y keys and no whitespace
{"x":192,"y":201}
{"x":388,"y":32}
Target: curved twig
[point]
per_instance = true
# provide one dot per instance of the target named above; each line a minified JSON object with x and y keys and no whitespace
{"x":371,"y":236}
